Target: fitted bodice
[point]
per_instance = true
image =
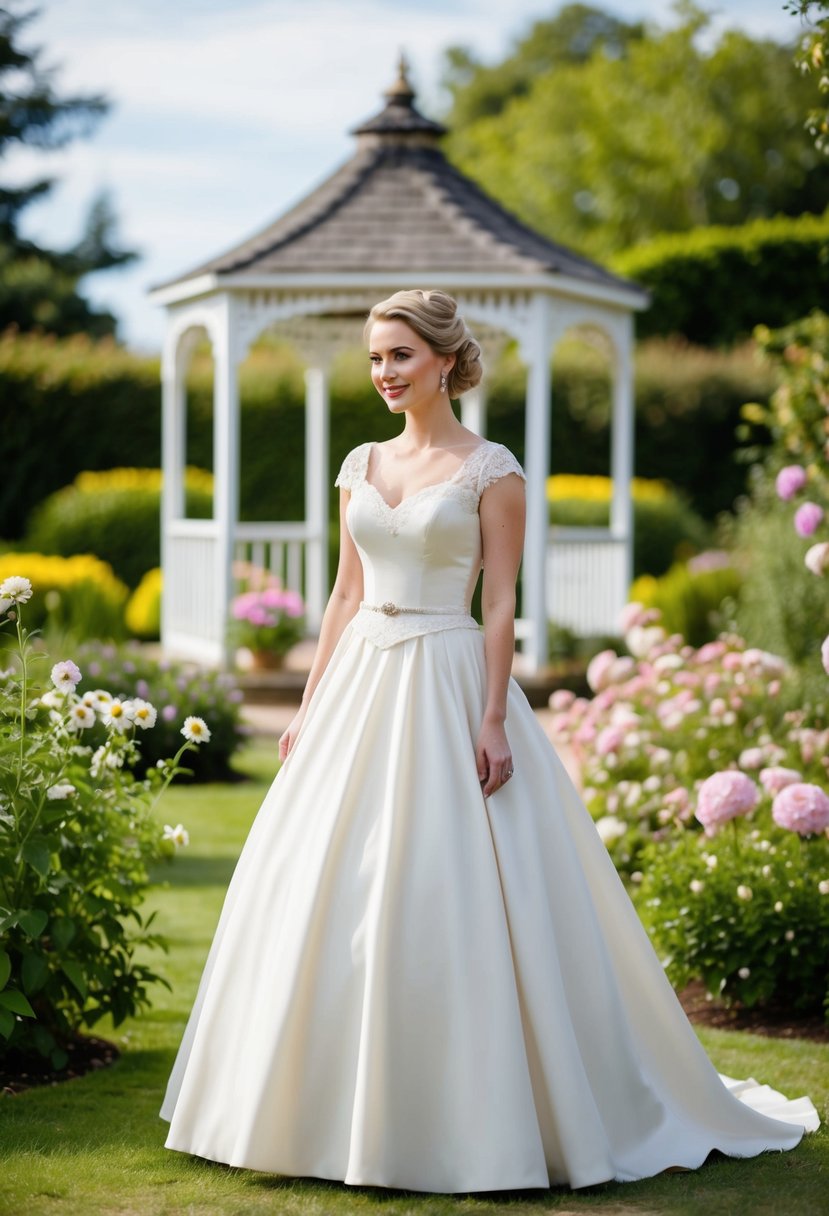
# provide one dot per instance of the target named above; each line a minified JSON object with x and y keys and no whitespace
{"x":424,"y":553}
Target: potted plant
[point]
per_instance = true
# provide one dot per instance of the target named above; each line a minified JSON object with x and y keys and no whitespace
{"x":268,"y":621}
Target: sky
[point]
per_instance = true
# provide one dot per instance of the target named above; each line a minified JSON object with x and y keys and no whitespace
{"x":226,"y":112}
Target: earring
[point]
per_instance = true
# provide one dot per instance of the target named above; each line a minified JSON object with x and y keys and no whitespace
{"x":443,"y":382}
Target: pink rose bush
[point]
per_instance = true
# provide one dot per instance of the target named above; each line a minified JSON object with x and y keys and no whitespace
{"x":721,"y":792}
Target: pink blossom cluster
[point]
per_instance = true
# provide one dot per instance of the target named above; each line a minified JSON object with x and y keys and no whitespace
{"x":659,"y":725}
{"x":724,"y":796}
{"x":267,"y":607}
{"x":801,"y":807}
{"x":807,"y":519}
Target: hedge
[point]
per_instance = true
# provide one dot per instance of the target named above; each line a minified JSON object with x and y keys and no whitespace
{"x":116,"y":515}
{"x":96,"y":406}
{"x":713,"y":285}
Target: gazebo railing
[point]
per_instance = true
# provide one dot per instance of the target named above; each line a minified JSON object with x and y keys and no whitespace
{"x":588,"y":576}
{"x":278,"y":548}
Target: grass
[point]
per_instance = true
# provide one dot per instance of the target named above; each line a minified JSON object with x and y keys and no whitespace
{"x":94,"y":1146}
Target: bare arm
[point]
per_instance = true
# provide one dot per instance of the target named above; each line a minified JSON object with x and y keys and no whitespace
{"x":343,"y":604}
{"x":502,"y":513}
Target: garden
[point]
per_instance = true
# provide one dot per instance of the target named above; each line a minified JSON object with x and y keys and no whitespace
{"x":700,"y":730}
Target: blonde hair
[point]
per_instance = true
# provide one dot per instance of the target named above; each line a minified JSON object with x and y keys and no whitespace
{"x":433,"y":315}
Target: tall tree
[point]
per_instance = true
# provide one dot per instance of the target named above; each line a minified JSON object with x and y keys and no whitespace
{"x":652,"y":131}
{"x":813,"y":58}
{"x":39,"y":286}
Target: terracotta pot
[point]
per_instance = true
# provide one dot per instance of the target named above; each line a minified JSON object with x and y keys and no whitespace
{"x":267,"y":660}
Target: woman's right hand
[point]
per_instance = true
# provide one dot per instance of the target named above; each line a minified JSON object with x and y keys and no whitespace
{"x":288,"y":739}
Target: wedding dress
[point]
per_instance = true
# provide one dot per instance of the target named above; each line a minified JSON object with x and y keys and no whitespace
{"x":415,"y":986}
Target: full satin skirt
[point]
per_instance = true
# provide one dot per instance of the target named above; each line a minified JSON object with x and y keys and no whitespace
{"x":413,"y":986}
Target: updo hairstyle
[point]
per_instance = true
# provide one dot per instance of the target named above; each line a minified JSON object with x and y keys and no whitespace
{"x":433,"y":315}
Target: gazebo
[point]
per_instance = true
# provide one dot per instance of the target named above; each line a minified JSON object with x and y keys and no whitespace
{"x":396,"y":214}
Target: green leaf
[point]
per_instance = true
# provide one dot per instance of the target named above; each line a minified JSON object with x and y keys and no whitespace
{"x":74,"y":972}
{"x":36,"y":852}
{"x":62,"y":930}
{"x":7,"y":1023}
{"x":16,"y":1002}
{"x":5,"y":968}
{"x":34,"y":972}
{"x":34,"y":922}
{"x":59,"y":1058}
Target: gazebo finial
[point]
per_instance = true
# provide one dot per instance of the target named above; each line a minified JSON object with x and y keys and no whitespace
{"x":402,"y":89}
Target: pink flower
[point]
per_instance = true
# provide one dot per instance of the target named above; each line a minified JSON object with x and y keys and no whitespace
{"x":807,"y":517}
{"x":562,"y":699}
{"x":789,"y":481}
{"x":752,"y":757}
{"x":776,"y":779}
{"x":817,"y":558}
{"x":599,"y":667}
{"x":801,"y":808}
{"x":710,"y":652}
{"x":723,"y":796}
{"x":824,"y":654}
{"x":610,"y":740}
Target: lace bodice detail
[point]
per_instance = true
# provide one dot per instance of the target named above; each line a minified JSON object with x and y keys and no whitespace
{"x":425,"y":552}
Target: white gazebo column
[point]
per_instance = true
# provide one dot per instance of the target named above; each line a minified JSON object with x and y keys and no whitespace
{"x":225,"y":470}
{"x":316,"y":493}
{"x":174,"y":362}
{"x":621,"y":454}
{"x":536,"y":348}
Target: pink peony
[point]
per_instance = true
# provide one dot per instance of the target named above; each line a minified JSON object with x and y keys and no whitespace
{"x":776,"y":779}
{"x":561,"y":699}
{"x":807,"y":517}
{"x":610,"y":740}
{"x":801,"y":808}
{"x":789,"y":481}
{"x":723,"y":796}
{"x":599,"y":669}
{"x":752,"y":757}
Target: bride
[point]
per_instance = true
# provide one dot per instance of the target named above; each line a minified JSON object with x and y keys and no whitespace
{"x":427,"y":973}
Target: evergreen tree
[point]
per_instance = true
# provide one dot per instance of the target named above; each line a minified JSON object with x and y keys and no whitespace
{"x":39,"y":286}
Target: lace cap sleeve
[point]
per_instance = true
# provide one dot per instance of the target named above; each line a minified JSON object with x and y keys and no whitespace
{"x":353,"y":468}
{"x":499,"y":461}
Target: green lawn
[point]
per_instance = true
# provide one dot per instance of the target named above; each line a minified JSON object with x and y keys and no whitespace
{"x":94,"y":1146}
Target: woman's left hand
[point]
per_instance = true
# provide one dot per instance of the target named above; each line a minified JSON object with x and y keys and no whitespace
{"x":493,"y":757}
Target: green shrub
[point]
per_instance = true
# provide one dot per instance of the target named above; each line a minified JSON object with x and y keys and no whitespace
{"x":116,"y":515}
{"x":754,"y":925}
{"x":78,"y":596}
{"x":177,"y":690}
{"x":713,"y":285}
{"x":77,"y":838}
{"x":143,"y":612}
{"x":662,"y":531}
{"x":690,"y":595}
{"x":781,"y":602}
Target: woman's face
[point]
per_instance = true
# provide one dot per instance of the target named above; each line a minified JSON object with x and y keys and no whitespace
{"x":404,"y":368}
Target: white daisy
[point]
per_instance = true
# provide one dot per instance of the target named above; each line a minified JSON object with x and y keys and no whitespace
{"x":80,"y":717}
{"x":178,"y":834}
{"x":117,"y":713}
{"x":143,"y":713}
{"x":196,"y":730}
{"x":16,"y":589}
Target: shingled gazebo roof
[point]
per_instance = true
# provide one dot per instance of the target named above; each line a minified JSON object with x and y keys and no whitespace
{"x":399,"y":207}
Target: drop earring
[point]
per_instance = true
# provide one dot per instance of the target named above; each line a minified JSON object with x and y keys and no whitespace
{"x":443,"y":382}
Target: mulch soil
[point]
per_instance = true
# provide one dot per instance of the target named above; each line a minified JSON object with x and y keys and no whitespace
{"x":86,"y":1053}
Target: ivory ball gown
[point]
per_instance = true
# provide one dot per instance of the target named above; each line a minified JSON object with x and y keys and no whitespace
{"x":415,"y":986}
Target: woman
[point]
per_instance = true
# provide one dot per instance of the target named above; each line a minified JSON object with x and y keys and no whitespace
{"x":427,"y":973}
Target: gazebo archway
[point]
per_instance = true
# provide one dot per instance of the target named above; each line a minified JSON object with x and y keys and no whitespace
{"x":397,"y":214}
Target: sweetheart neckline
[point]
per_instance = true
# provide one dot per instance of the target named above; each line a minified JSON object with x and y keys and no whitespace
{"x":416,"y":493}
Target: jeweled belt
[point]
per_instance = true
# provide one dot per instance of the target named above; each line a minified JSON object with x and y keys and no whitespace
{"x":391,"y":609}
